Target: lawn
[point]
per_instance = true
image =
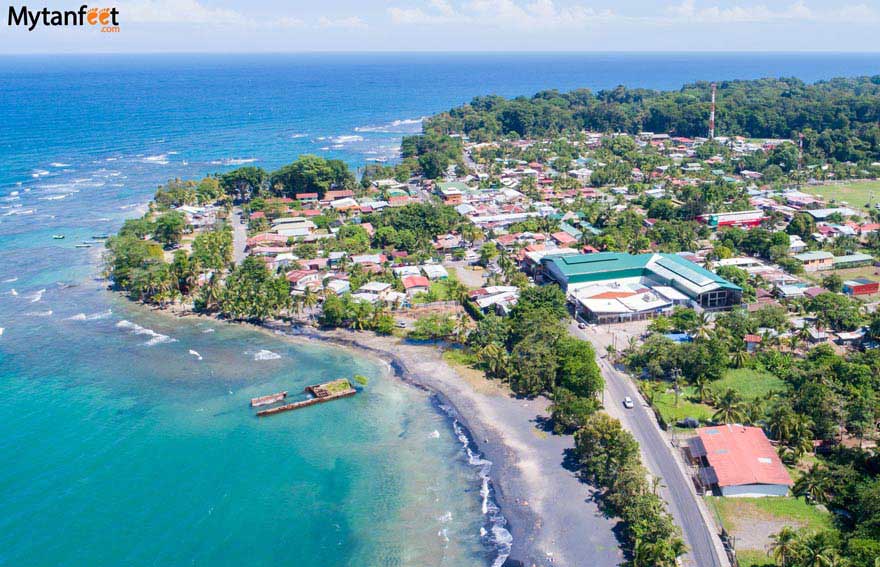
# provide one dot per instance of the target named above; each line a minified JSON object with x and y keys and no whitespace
{"x":753,"y":520}
{"x":665,"y":404}
{"x":439,"y":291}
{"x":749,"y":383}
{"x":855,"y":193}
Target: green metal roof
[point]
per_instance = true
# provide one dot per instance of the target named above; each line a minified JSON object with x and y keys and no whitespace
{"x":579,"y":268}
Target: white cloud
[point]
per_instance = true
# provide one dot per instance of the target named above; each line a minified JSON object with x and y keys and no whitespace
{"x":178,"y":11}
{"x":498,"y":13}
{"x":688,"y":11}
{"x":288,"y":22}
{"x":351,"y":23}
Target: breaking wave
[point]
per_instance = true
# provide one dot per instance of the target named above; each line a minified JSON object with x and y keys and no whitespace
{"x":406,"y":125}
{"x":135,"y":329}
{"x":91,"y":317}
{"x":266,"y":355}
{"x":233,"y":161}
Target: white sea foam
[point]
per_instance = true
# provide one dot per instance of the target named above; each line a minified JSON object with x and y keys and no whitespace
{"x":55,"y":197}
{"x":497,"y":535}
{"x":234,"y":161}
{"x":59,"y":164}
{"x":1,"y":331}
{"x":434,"y":434}
{"x":208,"y":331}
{"x":299,"y":135}
{"x":37,"y":296}
{"x":135,"y":329}
{"x":91,"y":316}
{"x":395,"y":126}
{"x":161,"y":159}
{"x":12,"y":292}
{"x":266,"y":355}
{"x":10,"y":280}
{"x":350,"y":139}
{"x":46,"y":313}
{"x":195,"y":354}
{"x":37,"y":173}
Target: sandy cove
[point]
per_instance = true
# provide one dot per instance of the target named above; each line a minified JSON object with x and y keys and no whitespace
{"x":550,"y":512}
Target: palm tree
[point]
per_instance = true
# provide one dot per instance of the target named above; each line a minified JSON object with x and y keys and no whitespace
{"x":784,"y":545}
{"x":702,"y":330}
{"x":740,"y":358}
{"x":496,"y":360}
{"x":309,"y":300}
{"x":461,"y":327}
{"x":729,"y":407}
{"x":704,"y":392}
{"x":812,"y":485}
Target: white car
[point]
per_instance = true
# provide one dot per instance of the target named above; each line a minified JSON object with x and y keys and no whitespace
{"x":628,"y":403}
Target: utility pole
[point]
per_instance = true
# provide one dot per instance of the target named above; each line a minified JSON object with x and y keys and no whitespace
{"x":800,"y":159}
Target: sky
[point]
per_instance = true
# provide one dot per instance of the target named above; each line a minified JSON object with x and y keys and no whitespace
{"x":255,"y":26}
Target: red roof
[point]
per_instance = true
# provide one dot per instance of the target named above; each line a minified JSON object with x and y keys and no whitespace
{"x":304,"y":196}
{"x":410,"y":282}
{"x":740,"y":455}
{"x":563,"y":238}
{"x":258,"y":215}
{"x":752,"y":338}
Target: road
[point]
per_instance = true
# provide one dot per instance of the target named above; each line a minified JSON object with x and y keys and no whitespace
{"x":688,"y":510}
{"x":239,"y":237}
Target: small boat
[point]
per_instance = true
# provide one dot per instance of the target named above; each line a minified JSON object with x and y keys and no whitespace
{"x":58,"y":236}
{"x":100,"y":237}
{"x":266,"y":400}
{"x":83,"y":245}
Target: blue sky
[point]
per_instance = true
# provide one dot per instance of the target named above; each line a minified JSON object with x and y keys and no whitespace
{"x":462,"y":25}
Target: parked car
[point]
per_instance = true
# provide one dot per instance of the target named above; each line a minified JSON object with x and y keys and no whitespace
{"x":628,"y":403}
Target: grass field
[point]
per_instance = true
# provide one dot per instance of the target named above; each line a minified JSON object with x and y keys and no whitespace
{"x":855,"y":193}
{"x":665,"y":404}
{"x":749,"y":383}
{"x":753,"y":520}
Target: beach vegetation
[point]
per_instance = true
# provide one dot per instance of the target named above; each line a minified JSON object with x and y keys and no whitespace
{"x":253,"y":293}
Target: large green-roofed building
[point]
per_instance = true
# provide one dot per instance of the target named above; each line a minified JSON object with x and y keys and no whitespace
{"x":703,"y":287}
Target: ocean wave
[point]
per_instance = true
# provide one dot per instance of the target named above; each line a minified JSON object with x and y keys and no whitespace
{"x":59,"y":164}
{"x":12,"y":292}
{"x":434,"y":434}
{"x":195,"y":354}
{"x":19,"y":211}
{"x":37,"y":173}
{"x":91,"y":317}
{"x":405,"y":125}
{"x":37,"y":295}
{"x":10,"y":280}
{"x":233,"y":161}
{"x":135,"y":329}
{"x":208,"y":331}
{"x":160,"y":159}
{"x":55,"y":197}
{"x":345,"y":139}
{"x":497,"y":536}
{"x":47,"y":313}
{"x":295,"y":136}
{"x":266,"y":355}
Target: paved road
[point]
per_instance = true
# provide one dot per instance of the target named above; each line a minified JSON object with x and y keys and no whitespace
{"x":239,"y":236}
{"x":684,"y":504}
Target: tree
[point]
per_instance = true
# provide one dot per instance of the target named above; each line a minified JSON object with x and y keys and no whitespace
{"x":243,"y":183}
{"x":603,"y":447}
{"x":812,"y":485}
{"x":570,"y":411}
{"x":494,"y":358}
{"x":784,"y":545}
{"x":252,"y":292}
{"x":729,"y":408}
{"x":169,"y":228}
{"x":312,"y":174}
{"x":833,"y":283}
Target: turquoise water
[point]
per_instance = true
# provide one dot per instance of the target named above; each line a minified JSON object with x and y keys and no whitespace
{"x":118,"y":444}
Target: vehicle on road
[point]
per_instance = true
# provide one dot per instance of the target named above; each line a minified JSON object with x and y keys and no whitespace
{"x":628,"y":403}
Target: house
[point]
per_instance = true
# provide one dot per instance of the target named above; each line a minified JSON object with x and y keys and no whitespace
{"x":860,"y":286}
{"x":816,"y":261}
{"x":435,"y":272}
{"x":795,"y":244}
{"x":739,"y":461}
{"x":752,"y":342}
{"x":415,"y":284}
{"x":852,"y":260}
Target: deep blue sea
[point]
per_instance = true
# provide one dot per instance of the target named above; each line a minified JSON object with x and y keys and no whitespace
{"x":124,"y":437}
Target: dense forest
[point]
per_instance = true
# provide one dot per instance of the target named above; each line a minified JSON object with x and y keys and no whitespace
{"x":839,"y":118}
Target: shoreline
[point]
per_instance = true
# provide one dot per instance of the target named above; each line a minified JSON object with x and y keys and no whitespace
{"x":549,"y":513}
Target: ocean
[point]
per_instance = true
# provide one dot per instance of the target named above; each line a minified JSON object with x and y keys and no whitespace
{"x":125,"y":437}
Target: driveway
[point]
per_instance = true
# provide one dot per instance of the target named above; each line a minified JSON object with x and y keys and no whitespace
{"x":239,"y":237}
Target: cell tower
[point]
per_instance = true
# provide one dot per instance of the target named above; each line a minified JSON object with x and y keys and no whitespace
{"x":712,"y":115}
